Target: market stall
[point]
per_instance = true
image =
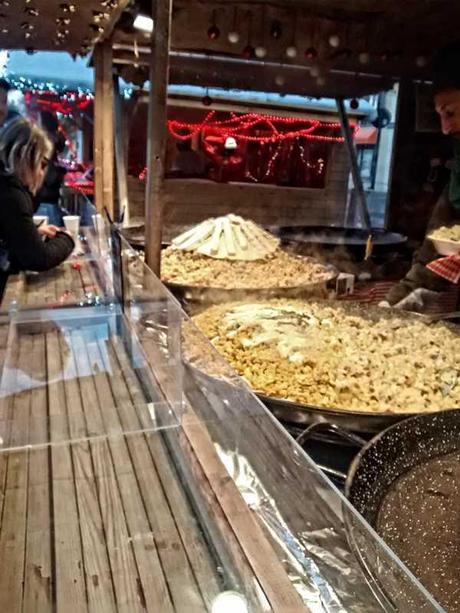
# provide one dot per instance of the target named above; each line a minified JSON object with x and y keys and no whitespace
{"x":344,"y":52}
{"x":139,"y":471}
{"x":307,"y":48}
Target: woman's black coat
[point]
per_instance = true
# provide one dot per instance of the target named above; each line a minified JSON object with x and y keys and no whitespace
{"x":19,"y":235}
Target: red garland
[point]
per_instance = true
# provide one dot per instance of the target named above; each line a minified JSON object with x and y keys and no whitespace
{"x":66,"y":104}
{"x":277,"y":128}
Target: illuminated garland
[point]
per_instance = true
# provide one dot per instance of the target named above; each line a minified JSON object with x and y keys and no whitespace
{"x":27,"y":85}
{"x":238,"y":127}
{"x":63,"y":99}
{"x":65,"y":104}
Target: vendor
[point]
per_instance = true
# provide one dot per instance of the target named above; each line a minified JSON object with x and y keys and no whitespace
{"x":420,"y":287}
{"x":24,"y":157}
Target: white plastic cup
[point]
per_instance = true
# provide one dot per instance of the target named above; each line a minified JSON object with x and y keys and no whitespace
{"x":72,"y":224}
{"x":41,"y":220}
{"x":98,"y":223}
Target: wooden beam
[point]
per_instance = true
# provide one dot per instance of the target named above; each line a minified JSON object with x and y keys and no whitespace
{"x":157,"y":134}
{"x":104,"y":128}
{"x":211,"y":70}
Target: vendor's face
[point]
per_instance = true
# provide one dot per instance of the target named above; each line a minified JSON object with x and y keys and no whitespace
{"x":3,"y":106}
{"x":447,"y":105}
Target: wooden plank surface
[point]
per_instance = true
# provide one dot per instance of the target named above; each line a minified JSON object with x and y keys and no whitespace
{"x":70,"y":591}
{"x":66,"y":285}
{"x":100,"y":589}
{"x":168,"y":509}
{"x":257,"y":435}
{"x":38,"y":572}
{"x":103,"y":512}
{"x":13,"y":291}
{"x":141,"y":536}
{"x":14,"y":514}
{"x":266,"y":566}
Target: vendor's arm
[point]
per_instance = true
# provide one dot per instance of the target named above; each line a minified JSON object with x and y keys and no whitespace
{"x":419,"y":276}
{"x":25,"y":245}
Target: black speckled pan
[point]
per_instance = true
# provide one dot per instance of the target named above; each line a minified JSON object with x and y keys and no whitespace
{"x":406,"y":483}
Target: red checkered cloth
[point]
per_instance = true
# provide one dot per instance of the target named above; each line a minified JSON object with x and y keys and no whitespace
{"x":374,"y":292}
{"x":447,"y":268}
{"x":370,"y":293}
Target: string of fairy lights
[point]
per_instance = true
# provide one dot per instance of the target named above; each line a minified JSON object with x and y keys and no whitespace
{"x":61,"y":98}
{"x":270,"y":128}
{"x":261,"y":129}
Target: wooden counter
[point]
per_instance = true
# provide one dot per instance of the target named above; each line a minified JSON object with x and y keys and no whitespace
{"x":67,"y":285}
{"x":96,"y":511}
{"x":113,"y":499}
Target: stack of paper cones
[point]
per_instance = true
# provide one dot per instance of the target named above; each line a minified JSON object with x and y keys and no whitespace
{"x":228,"y":238}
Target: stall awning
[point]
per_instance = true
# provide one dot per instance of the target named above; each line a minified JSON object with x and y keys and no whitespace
{"x":56,"y":25}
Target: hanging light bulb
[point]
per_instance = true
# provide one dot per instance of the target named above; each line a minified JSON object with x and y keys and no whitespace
{"x":280,"y":80}
{"x":234,"y":37}
{"x":311,"y":53}
{"x":32,"y":11}
{"x":291,"y":52}
{"x":315,"y":71}
{"x":276,"y":31}
{"x":354,"y":103}
{"x":260,"y":52}
{"x":364,"y":57}
{"x":213,"y":33}
{"x":248,"y":51}
{"x":334,"y":41}
{"x":421,"y":61}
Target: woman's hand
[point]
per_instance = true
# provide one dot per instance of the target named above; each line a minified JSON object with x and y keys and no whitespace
{"x":48,"y":231}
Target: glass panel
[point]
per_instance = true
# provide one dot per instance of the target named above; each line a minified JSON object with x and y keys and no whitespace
{"x":75,"y":373}
{"x":135,"y":436}
{"x":332,"y":556}
{"x":107,"y":523}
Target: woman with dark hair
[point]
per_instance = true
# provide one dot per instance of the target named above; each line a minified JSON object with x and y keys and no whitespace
{"x":24,"y":157}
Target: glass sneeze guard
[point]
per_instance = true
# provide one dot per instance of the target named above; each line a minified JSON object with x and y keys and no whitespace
{"x":134,"y":461}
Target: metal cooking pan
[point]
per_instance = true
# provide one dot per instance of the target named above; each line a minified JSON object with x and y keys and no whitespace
{"x":206,"y":295}
{"x":405,"y":482}
{"x":351,"y":238}
{"x":365,"y":422}
{"x":135,"y":235}
{"x":192,"y":295}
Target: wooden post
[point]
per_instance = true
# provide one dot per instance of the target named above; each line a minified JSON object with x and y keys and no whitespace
{"x":103,"y":129}
{"x":120,"y":152}
{"x":156,"y":148}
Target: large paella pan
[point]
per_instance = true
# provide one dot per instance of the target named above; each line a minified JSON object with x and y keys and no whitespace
{"x":360,"y":367}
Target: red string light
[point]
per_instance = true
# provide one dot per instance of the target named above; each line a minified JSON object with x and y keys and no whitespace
{"x":86,"y":188}
{"x":65,"y":104}
{"x":240,"y":126}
